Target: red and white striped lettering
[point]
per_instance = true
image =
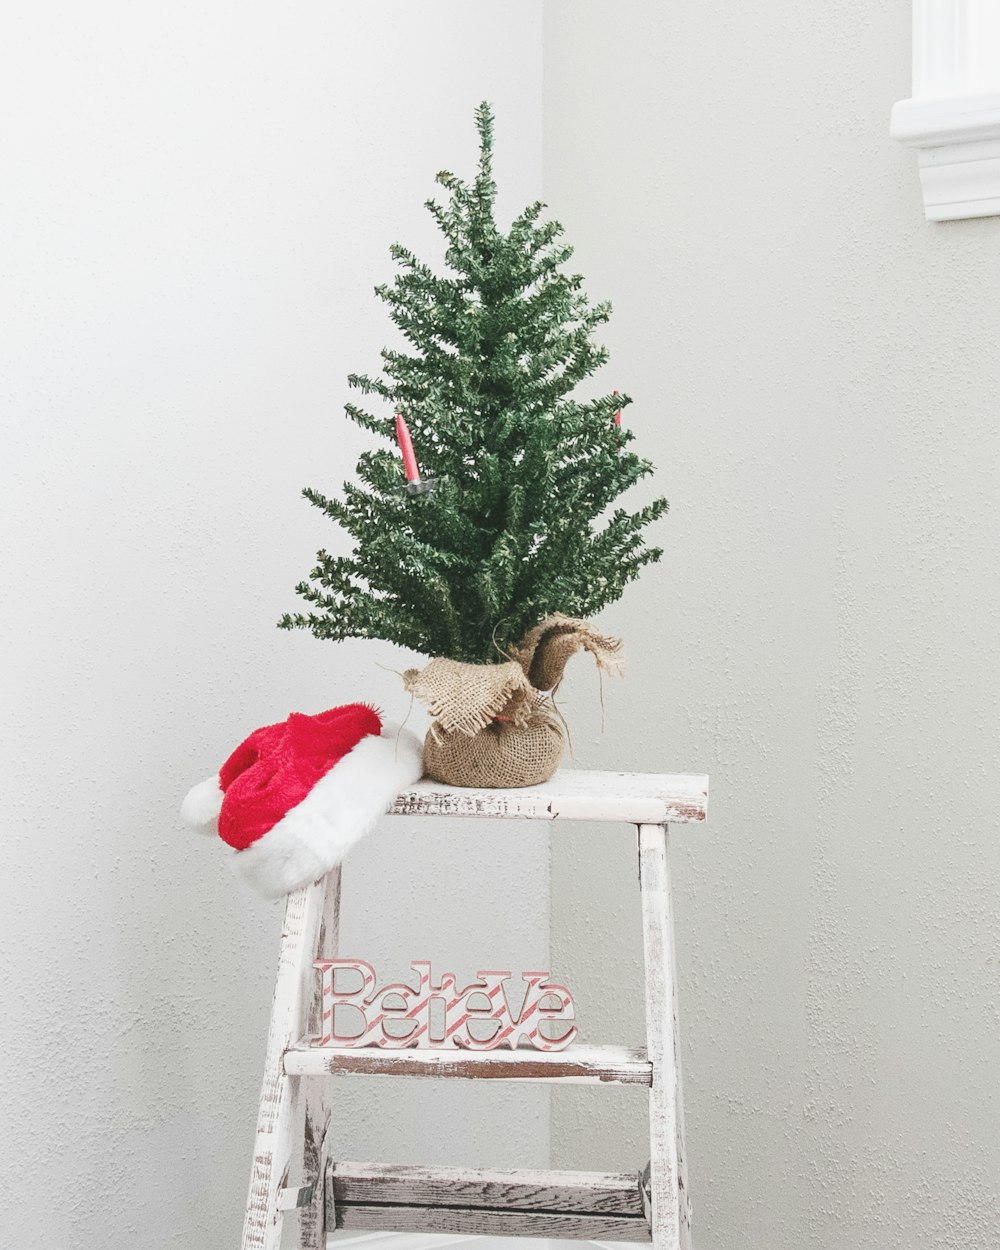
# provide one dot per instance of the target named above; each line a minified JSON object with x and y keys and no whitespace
{"x":467,"y":1013}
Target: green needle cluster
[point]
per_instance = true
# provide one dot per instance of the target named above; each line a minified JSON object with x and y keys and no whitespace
{"x":518,"y":523}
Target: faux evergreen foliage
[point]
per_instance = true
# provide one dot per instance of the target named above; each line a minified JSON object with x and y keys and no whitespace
{"x":518,"y":523}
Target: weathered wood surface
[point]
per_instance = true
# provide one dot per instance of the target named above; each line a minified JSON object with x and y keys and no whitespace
{"x":275,"y":1137}
{"x":572,"y":794}
{"x":577,"y":1065}
{"x":683,"y":1194}
{"x":286,"y":1129}
{"x":588,"y":1193}
{"x":294,"y":1116}
{"x":483,"y":1223}
{"x":670,"y":1217}
{"x":317,"y":1095}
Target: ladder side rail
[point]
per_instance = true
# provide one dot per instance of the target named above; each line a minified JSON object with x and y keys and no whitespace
{"x":670,"y":1211}
{"x":684,"y":1193}
{"x":318,"y":1095}
{"x":279,"y":1133}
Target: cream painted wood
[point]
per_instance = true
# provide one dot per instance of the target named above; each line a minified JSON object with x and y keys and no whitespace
{"x":572,"y":794}
{"x":290,"y":1129}
{"x":317,"y":1094}
{"x":586,"y":1193}
{"x":498,"y":1223}
{"x":290,"y":1167}
{"x":577,"y":1065}
{"x":670,"y":1214}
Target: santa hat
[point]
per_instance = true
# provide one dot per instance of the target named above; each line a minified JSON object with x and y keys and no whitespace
{"x":293,"y":798}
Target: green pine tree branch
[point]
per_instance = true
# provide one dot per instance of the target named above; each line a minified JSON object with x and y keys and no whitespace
{"x":519,"y":523}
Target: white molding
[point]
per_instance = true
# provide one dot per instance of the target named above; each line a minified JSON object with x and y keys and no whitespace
{"x":957,"y":119}
{"x":958,"y":153}
{"x":953,"y":118}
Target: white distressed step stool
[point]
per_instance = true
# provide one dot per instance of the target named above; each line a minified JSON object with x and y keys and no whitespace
{"x":290,"y":1165}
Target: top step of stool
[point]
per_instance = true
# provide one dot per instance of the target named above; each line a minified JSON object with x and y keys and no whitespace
{"x":572,"y":794}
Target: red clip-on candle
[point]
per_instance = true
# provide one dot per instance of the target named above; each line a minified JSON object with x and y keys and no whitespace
{"x":618,"y":414}
{"x":415,"y":485}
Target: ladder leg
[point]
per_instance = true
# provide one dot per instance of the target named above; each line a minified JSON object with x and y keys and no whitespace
{"x":280,"y":1139}
{"x":317,"y":1099}
{"x":671,"y":1212}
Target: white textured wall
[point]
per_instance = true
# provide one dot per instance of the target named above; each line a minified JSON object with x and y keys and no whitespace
{"x":197,"y":201}
{"x":815,"y":370}
{"x":194,"y":210}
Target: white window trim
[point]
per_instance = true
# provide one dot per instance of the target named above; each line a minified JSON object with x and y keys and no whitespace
{"x":953,"y":116}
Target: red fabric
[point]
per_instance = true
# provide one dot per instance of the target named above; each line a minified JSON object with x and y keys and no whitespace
{"x":273,"y":770}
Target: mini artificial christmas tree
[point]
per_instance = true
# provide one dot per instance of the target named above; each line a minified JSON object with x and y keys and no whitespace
{"x":488,"y":540}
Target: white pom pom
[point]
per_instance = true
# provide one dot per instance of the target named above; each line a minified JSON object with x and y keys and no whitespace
{"x":202,"y":805}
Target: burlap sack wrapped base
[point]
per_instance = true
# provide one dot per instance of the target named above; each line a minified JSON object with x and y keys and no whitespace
{"x":502,"y":754}
{"x":493,"y":724}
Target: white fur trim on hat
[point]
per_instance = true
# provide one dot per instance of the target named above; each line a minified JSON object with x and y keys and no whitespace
{"x":343,"y":806}
{"x":202,"y":805}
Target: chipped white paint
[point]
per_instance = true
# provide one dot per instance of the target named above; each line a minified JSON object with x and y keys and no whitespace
{"x":317,"y":1097}
{"x":493,"y":1223}
{"x":512,"y":1203}
{"x":529,"y":1204}
{"x":608,"y":1193}
{"x":671,"y":1217}
{"x":571,"y":794}
{"x":577,"y":1065}
{"x":291,"y":1128}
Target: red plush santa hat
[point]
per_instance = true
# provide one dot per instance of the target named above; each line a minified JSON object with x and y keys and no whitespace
{"x":293,"y":798}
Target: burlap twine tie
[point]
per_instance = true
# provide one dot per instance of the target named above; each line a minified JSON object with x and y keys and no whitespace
{"x":493,"y":723}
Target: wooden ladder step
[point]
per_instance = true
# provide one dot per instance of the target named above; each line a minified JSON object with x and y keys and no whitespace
{"x":576,"y":1065}
{"x":605,"y":1206}
{"x":571,"y":794}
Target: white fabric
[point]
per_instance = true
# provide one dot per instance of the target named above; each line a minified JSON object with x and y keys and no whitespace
{"x":316,"y":834}
{"x":202,"y":805}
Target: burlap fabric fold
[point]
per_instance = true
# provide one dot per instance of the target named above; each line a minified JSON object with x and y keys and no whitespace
{"x":494,"y":724}
{"x":464,"y":698}
{"x":545,"y":650}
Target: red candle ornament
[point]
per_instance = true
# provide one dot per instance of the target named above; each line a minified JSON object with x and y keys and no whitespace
{"x":406,"y":447}
{"x":618,"y":414}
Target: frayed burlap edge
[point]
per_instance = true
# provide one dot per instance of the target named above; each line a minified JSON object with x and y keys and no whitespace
{"x":465,"y":698}
{"x":545,"y":650}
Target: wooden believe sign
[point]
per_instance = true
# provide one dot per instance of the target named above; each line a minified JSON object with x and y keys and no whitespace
{"x":439,"y":1014}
